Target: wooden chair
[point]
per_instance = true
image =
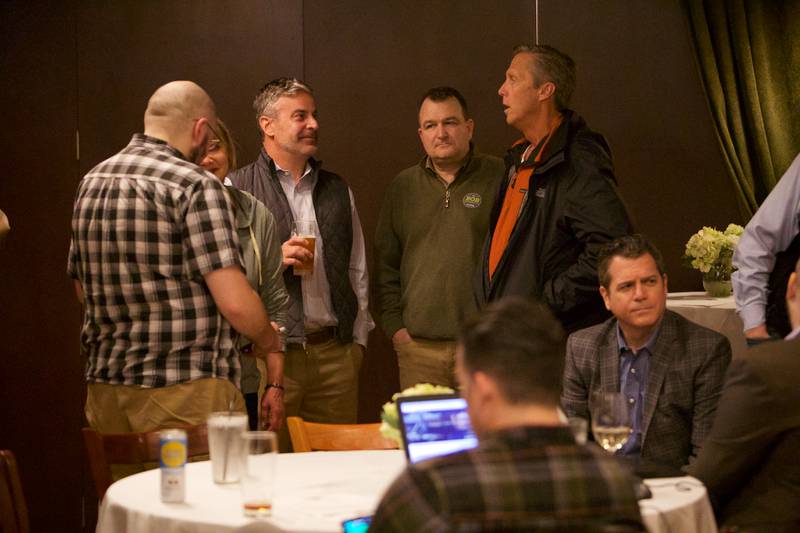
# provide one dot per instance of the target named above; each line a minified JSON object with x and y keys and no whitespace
{"x":13,"y":511}
{"x":106,"y":449}
{"x":310,"y":436}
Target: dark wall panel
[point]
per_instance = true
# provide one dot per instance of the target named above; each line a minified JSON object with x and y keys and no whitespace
{"x":127,"y":50}
{"x":638,"y":85}
{"x":369,"y":62}
{"x":41,"y":384}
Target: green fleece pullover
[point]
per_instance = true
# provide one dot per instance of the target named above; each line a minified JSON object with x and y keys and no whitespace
{"x":428,"y":240}
{"x":253,"y":215}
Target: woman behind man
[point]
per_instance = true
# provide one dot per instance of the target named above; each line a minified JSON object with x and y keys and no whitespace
{"x":263,"y":259}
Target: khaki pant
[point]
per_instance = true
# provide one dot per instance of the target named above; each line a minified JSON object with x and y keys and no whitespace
{"x":126,"y":408}
{"x":321,"y":384}
{"x":424,"y":361}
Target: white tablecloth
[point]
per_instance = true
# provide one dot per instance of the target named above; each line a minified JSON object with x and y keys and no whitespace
{"x":679,"y":504}
{"x":316,"y":491}
{"x":718,"y":314}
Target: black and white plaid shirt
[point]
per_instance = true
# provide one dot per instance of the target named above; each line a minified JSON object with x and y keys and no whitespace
{"x":146,"y":227}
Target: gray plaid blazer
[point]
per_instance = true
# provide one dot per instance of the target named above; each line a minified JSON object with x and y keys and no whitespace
{"x":687,"y":369}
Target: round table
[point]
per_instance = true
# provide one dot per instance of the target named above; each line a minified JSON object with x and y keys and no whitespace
{"x":316,"y":491}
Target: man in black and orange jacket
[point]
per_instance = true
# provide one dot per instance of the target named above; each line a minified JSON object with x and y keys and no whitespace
{"x":558,"y":204}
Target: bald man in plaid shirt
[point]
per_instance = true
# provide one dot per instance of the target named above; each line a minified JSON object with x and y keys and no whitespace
{"x":155,"y":260}
{"x":527,"y":473}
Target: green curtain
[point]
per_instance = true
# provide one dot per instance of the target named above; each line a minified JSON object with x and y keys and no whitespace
{"x":748,"y":53}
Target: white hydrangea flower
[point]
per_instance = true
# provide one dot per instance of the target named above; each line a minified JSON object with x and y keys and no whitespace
{"x":711,"y":251}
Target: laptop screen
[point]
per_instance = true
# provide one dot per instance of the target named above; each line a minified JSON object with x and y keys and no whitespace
{"x":434,"y":425}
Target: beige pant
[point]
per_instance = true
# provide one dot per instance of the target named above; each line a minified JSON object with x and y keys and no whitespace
{"x":321,"y":384}
{"x":424,"y":361}
{"x":127,"y":408}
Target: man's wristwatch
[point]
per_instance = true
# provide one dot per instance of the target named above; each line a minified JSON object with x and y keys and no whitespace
{"x":273,"y":386}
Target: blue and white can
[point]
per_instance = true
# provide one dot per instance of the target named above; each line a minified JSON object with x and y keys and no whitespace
{"x":173,"y":465}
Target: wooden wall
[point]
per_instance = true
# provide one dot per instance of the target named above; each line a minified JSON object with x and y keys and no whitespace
{"x":90,"y":66}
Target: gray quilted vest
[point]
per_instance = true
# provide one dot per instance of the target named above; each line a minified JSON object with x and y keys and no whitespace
{"x":331,"y":198}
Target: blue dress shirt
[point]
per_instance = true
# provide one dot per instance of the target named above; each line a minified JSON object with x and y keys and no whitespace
{"x":634,"y":367}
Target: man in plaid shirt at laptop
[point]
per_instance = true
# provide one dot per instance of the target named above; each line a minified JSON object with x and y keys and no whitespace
{"x":155,"y":260}
{"x":527,"y":473}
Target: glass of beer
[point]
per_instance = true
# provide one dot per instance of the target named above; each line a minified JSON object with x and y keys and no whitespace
{"x":305,"y":229}
{"x":611,"y":420}
{"x":258,"y":472}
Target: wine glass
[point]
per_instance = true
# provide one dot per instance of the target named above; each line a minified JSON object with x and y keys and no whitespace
{"x":611,"y":420}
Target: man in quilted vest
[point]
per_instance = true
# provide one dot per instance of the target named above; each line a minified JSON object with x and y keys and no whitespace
{"x":325,"y":264}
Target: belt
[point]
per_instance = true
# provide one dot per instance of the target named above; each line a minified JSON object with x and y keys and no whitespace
{"x":319,"y":336}
{"x":322,"y":335}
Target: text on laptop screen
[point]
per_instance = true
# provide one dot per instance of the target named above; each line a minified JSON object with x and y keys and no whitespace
{"x":436,"y":427}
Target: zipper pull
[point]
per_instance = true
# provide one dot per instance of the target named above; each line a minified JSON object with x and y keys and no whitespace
{"x":447,"y":198}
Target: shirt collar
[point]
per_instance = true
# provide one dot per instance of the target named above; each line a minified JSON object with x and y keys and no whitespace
{"x":649,"y":345}
{"x":307,"y":177}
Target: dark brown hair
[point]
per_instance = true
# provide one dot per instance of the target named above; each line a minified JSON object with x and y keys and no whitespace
{"x":629,"y":247}
{"x":227,"y":143}
{"x":519,"y":343}
{"x":440,"y":94}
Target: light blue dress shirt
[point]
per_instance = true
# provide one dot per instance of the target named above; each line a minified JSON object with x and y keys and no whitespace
{"x":771,"y":230}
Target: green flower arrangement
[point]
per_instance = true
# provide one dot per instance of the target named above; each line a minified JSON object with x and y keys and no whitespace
{"x":711,"y":251}
{"x":390,"y":423}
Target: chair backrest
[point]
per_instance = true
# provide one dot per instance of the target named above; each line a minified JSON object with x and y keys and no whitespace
{"x":106,"y":449}
{"x":311,"y":436}
{"x":13,"y":511}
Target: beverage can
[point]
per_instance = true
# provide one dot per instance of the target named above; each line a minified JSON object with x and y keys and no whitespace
{"x":173,"y":465}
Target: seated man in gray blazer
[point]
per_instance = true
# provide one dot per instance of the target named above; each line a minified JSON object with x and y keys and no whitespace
{"x":670,"y":369}
{"x":749,"y":462}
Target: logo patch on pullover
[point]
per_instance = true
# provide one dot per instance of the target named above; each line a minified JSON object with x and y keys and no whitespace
{"x":472,"y":200}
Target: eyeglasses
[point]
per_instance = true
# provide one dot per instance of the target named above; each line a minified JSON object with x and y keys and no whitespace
{"x":213,"y":145}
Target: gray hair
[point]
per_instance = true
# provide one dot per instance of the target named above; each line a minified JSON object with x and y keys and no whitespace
{"x":268,"y":95}
{"x":551,"y":65}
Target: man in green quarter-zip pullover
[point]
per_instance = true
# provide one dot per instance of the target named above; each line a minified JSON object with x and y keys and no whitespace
{"x":430,"y":231}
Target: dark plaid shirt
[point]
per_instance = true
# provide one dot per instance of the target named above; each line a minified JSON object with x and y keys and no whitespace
{"x":146,"y":227}
{"x":524,"y":479}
